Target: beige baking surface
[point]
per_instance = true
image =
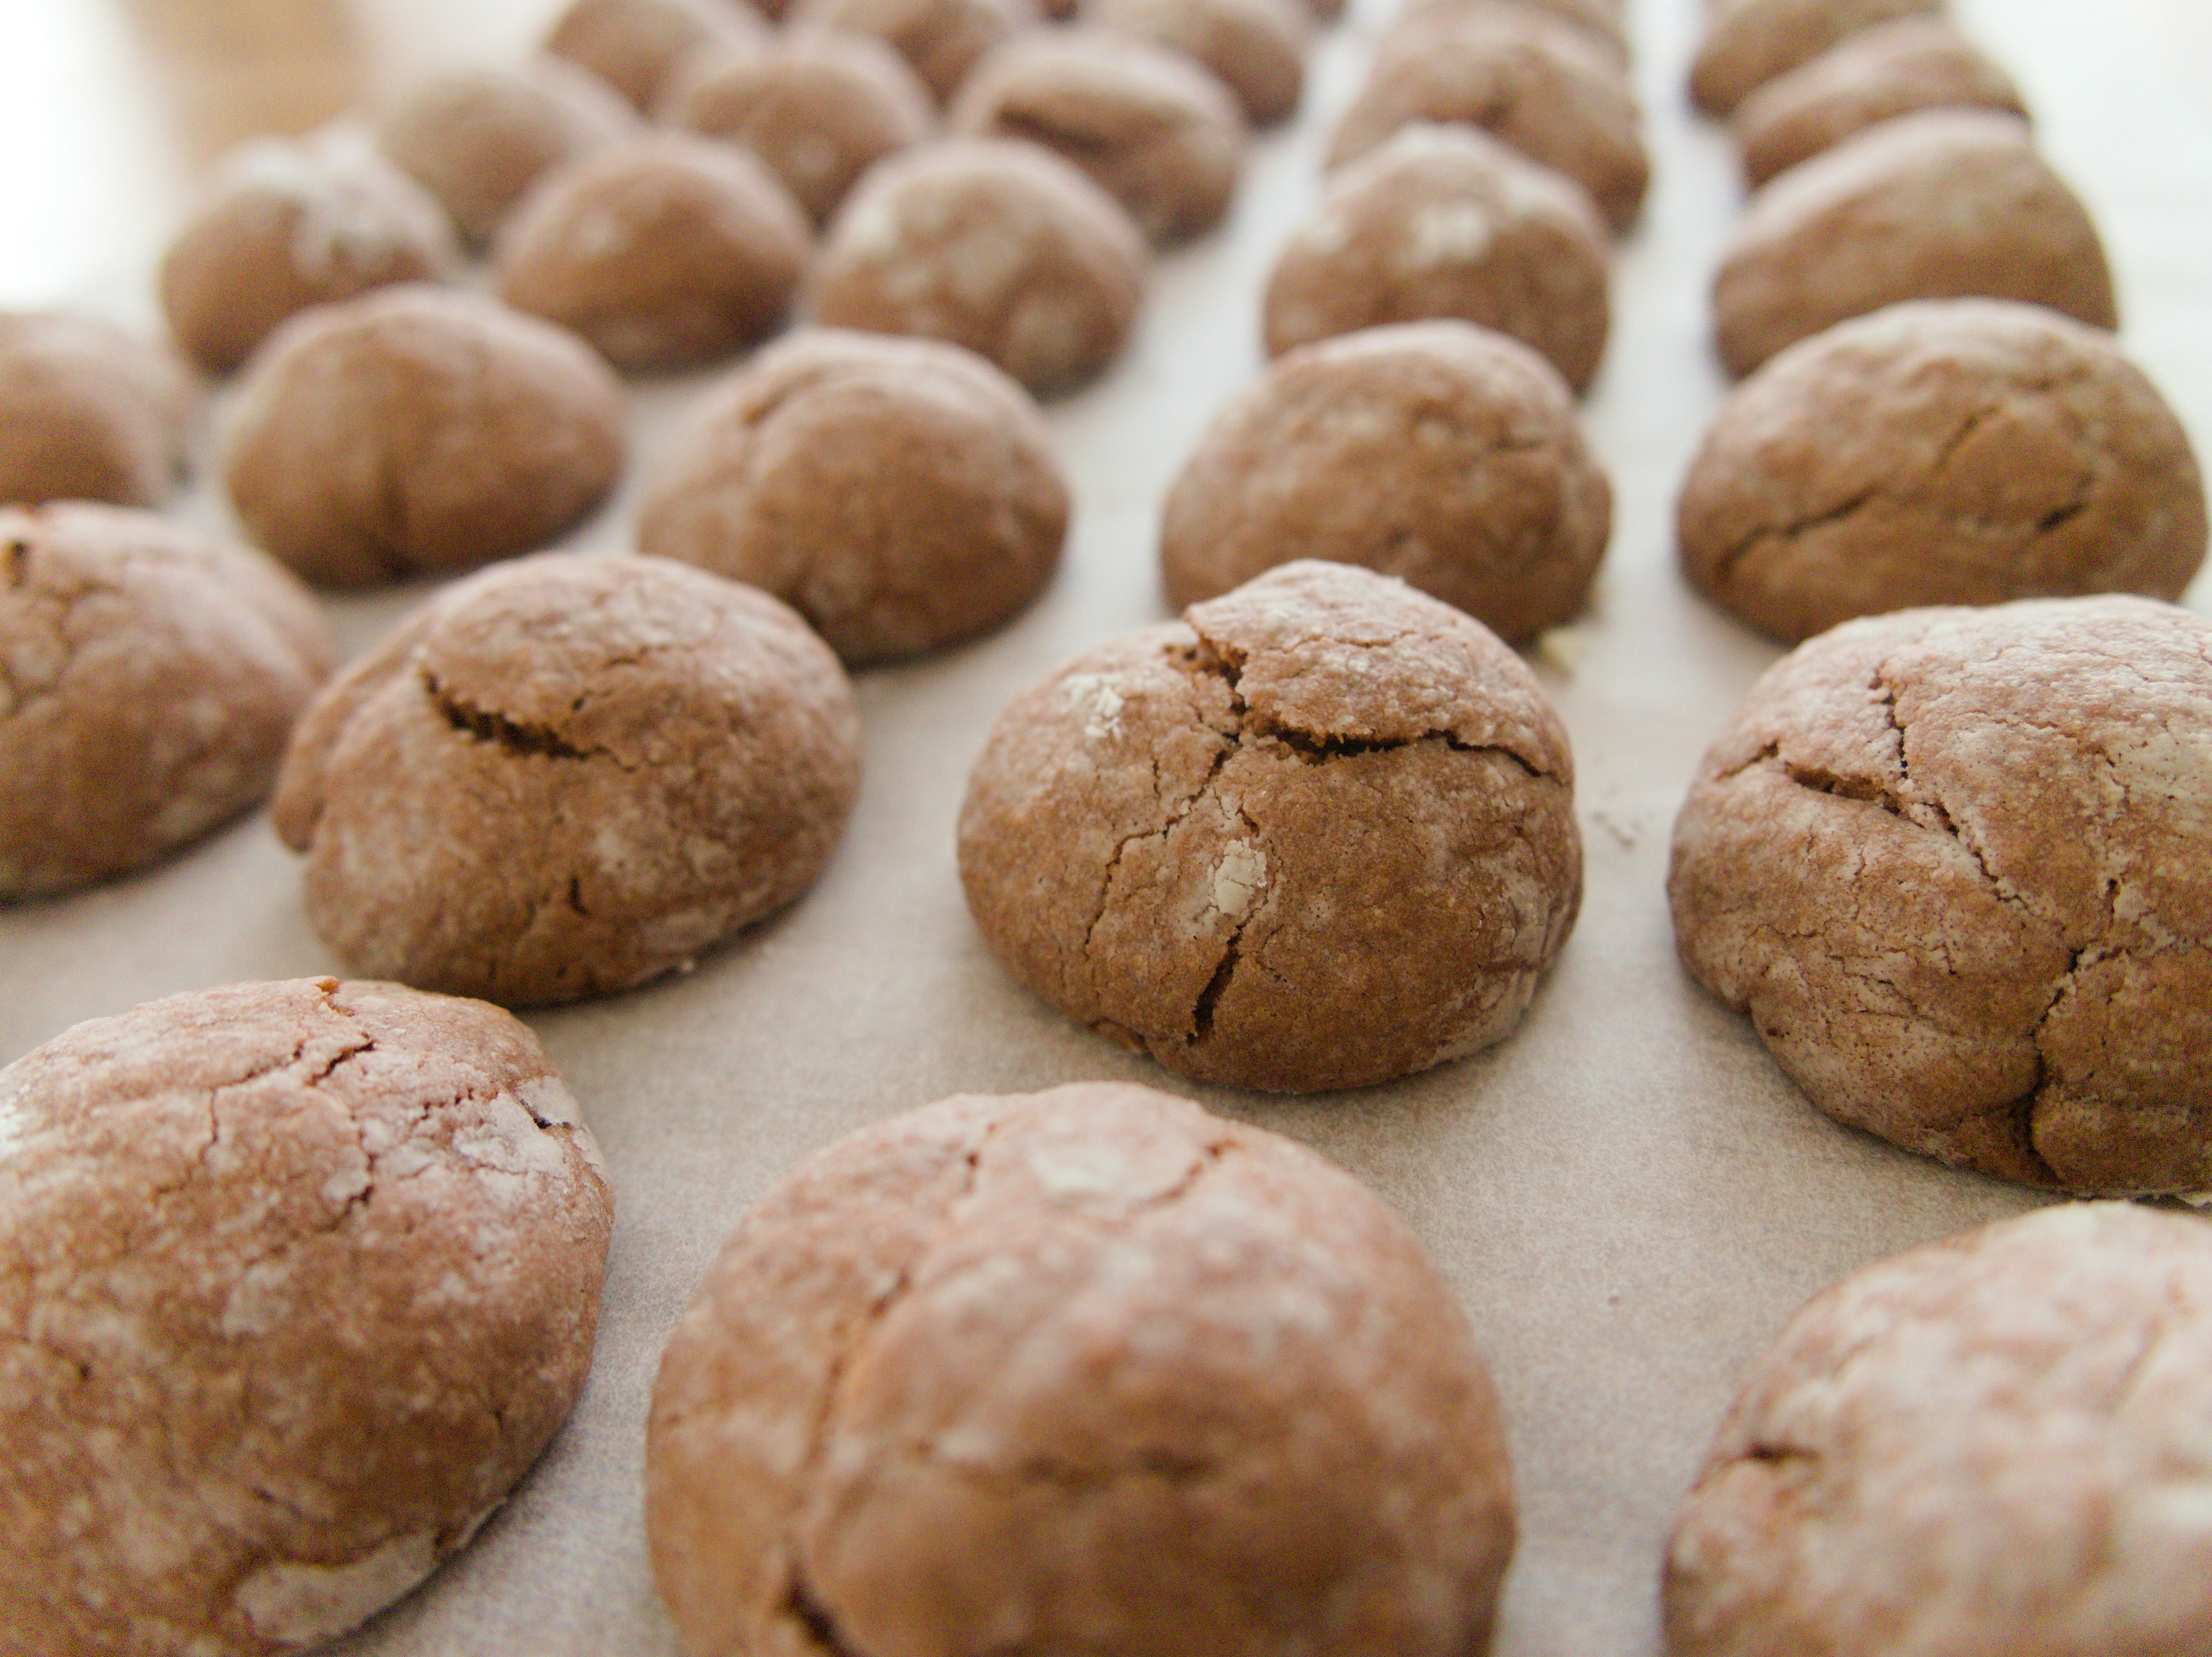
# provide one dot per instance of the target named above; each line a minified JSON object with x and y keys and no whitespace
{"x":1629,"y":1196}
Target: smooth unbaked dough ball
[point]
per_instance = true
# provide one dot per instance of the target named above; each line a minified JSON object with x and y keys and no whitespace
{"x":569,"y":775}
{"x":1318,"y":834}
{"x":943,"y":40}
{"x":1991,"y":1444}
{"x":290,"y":224}
{"x":899,"y":494}
{"x":1084,"y":1370}
{"x":1602,"y":21}
{"x":148,"y":680}
{"x":1256,"y":47}
{"x":1438,"y":452}
{"x":417,"y":430}
{"x":635,"y":45}
{"x":819,"y":108}
{"x":88,"y":413}
{"x":296,"y":1281}
{"x":1445,"y":221}
{"x":990,"y":243}
{"x":664,"y":251}
{"x":1952,"y":862}
{"x":1946,"y":204}
{"x":1747,"y":43}
{"x":1963,"y":451}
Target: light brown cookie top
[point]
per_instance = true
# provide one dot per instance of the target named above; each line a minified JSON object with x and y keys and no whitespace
{"x":418,"y":430}
{"x":1894,"y":68}
{"x":569,"y":775}
{"x":1089,"y":1364}
{"x":1994,"y":1443}
{"x":1948,"y":203}
{"x":1747,"y":43}
{"x":148,"y":680}
{"x":1445,"y":221}
{"x":943,"y":40}
{"x":901,"y":494}
{"x":1603,"y":21}
{"x":297,"y":1281}
{"x":1319,"y":834}
{"x":1952,"y":863}
{"x":635,"y":45}
{"x":1256,"y":47}
{"x":1442,"y":453}
{"x":87,"y":412}
{"x":1963,"y":451}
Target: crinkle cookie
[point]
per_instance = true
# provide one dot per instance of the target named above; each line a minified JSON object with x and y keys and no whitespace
{"x":1963,"y":451}
{"x":88,"y":413}
{"x":1256,"y":47}
{"x":1439,"y":451}
{"x":943,"y":40}
{"x":1602,"y":20}
{"x":568,"y":775}
{"x":1084,"y":1370}
{"x":1445,"y":221}
{"x":148,"y":680}
{"x":1991,"y":1444}
{"x":1952,"y":862}
{"x":901,"y":494}
{"x":419,"y":429}
{"x":296,"y":1281}
{"x":636,"y":44}
{"x":1948,"y":203}
{"x":1318,"y":834}
{"x":990,"y":243}
{"x":1747,"y":43}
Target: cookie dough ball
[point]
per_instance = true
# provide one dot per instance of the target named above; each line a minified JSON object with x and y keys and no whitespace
{"x":569,"y":775}
{"x":1963,"y":451}
{"x":990,"y":243}
{"x":1441,"y":453}
{"x":1898,"y":68}
{"x":1601,"y":21}
{"x":943,"y":40}
{"x":899,"y":494}
{"x":1091,"y":1365}
{"x":1991,"y":1444}
{"x":666,"y":251}
{"x":1747,"y":43}
{"x":1157,"y":131}
{"x":1445,"y":221}
{"x":292,"y":224}
{"x":1255,"y":47}
{"x":297,"y":1280}
{"x":419,"y":430}
{"x":148,"y":680}
{"x":819,"y":108}
{"x":1533,"y":82}
{"x":476,"y":138}
{"x":1946,"y":204}
{"x":87,"y":413}
{"x":635,"y":45}
{"x":1952,"y":862}
{"x":1318,"y":834}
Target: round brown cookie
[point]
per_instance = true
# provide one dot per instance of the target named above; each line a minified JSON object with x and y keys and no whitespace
{"x":1256,"y":47}
{"x":88,"y":413}
{"x":943,"y":40}
{"x":1962,"y":450}
{"x":664,"y":251}
{"x":148,"y":680}
{"x":1319,"y":834}
{"x":568,"y":775}
{"x":819,"y":108}
{"x":1438,"y":452}
{"x":476,"y":138}
{"x":1157,"y":131}
{"x":290,"y":224}
{"x":419,"y":429}
{"x":1991,"y":1444}
{"x":1533,"y":81}
{"x":1747,"y":43}
{"x":1952,"y":862}
{"x":635,"y":45}
{"x":1897,"y":69}
{"x":1602,"y":21}
{"x":990,"y":243}
{"x":1945,"y":204}
{"x":1091,"y":1365}
{"x":899,"y":494}
{"x":297,"y":1281}
{"x":1445,"y":221}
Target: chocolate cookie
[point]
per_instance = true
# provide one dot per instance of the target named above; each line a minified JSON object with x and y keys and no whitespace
{"x":87,"y":413}
{"x":635,"y":45}
{"x":1602,"y":20}
{"x":943,"y":40}
{"x":1318,"y":834}
{"x":1747,"y":43}
{"x":1256,"y":47}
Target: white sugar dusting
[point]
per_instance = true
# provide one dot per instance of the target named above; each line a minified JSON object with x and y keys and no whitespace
{"x":1093,"y":697}
{"x":309,"y":1604}
{"x":1239,"y":879}
{"x":1448,"y":233}
{"x":16,"y":1125}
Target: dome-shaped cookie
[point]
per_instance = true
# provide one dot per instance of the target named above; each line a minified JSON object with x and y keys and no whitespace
{"x":568,"y":775}
{"x":943,"y":40}
{"x":419,"y":429}
{"x":636,"y":44}
{"x":300,"y":1279}
{"x":1090,"y":1364}
{"x":87,"y":413}
{"x":1747,"y":43}
{"x":151,"y":682}
{"x":1255,"y":47}
{"x":1952,"y":862}
{"x":1442,"y":453}
{"x":1318,"y":834}
{"x":1601,"y":21}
